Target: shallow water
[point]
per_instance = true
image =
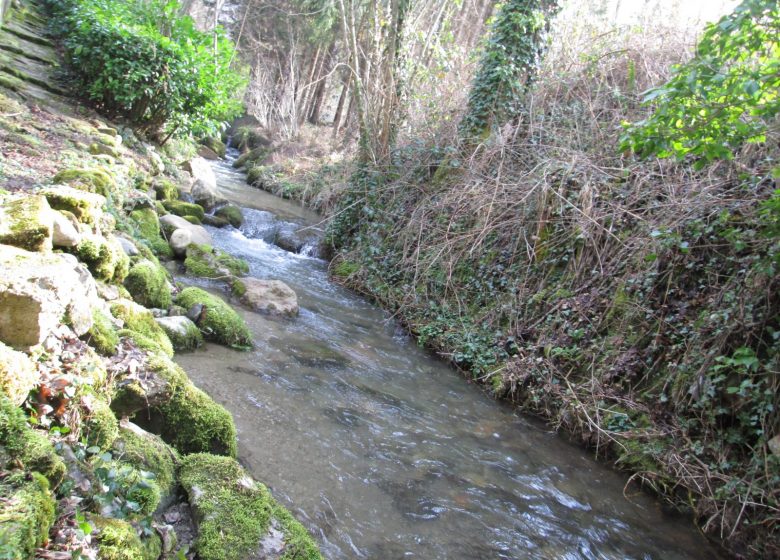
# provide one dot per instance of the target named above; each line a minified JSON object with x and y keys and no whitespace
{"x":384,"y":452}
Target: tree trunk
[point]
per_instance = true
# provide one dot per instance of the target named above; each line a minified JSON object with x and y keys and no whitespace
{"x":340,"y":107}
{"x":315,"y":106}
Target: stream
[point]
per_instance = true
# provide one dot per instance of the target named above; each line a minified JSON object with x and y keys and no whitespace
{"x":383,"y":451}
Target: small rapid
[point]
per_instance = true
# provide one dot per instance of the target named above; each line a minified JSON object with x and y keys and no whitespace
{"x":383,"y":451}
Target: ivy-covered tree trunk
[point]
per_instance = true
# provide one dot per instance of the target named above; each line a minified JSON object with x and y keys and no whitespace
{"x":508,"y":65}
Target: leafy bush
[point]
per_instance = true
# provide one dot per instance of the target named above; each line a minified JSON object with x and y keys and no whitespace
{"x":724,"y":97}
{"x":142,"y":61}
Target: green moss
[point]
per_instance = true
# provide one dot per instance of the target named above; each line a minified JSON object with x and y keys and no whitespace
{"x":91,"y":180}
{"x":238,"y":288}
{"x":165,"y":189}
{"x":99,"y":423}
{"x":217,"y":145}
{"x":218,"y":322}
{"x":147,"y":282}
{"x":87,"y":207}
{"x":148,"y":452}
{"x":19,"y":443}
{"x":100,"y":149}
{"x":232,"y":214}
{"x":102,"y":336}
{"x":185,"y":341}
{"x":251,"y":158}
{"x":190,"y":421}
{"x":26,"y":516}
{"x":234,"y":513}
{"x":148,"y":224}
{"x":18,"y":375}
{"x":184,"y":209}
{"x":193,"y":220}
{"x":25,"y":223}
{"x":144,"y":330}
{"x":118,"y":540}
{"x":105,"y":258}
{"x":161,"y":211}
{"x":207,"y":262}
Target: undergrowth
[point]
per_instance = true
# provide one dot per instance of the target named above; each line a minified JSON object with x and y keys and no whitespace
{"x":633,"y":303}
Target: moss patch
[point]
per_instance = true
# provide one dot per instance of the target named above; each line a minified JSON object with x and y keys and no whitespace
{"x":148,"y":452}
{"x":102,"y":336}
{"x":148,"y":224}
{"x":18,"y":375}
{"x":147,"y":282}
{"x":27,"y":514}
{"x":207,"y":262}
{"x":190,"y":421}
{"x":182,"y":332}
{"x":91,"y":180}
{"x":142,"y":327}
{"x":232,"y":214}
{"x":118,"y":540}
{"x":233,"y":512}
{"x":218,"y":321}
{"x":105,"y":258}
{"x":26,"y":223}
{"x":184,"y":209}
{"x":87,"y":207}
{"x":99,"y":423}
{"x":165,"y":189}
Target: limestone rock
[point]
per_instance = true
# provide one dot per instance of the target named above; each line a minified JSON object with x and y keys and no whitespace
{"x":269,"y":296}
{"x":26,"y":223}
{"x":204,"y":188}
{"x":127,"y":246}
{"x":157,"y":163}
{"x":184,"y":334}
{"x":37,"y":291}
{"x":65,"y":233}
{"x":86,"y":206}
{"x":179,"y":241}
{"x":199,"y":234}
{"x":207,"y":153}
{"x":18,"y":375}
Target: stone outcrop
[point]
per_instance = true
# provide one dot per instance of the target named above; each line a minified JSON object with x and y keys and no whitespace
{"x":269,"y":296}
{"x":39,"y":291}
{"x":27,"y":223}
{"x":18,"y":375}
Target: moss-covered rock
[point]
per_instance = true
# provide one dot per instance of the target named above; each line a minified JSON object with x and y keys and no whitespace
{"x":148,"y":283}
{"x":18,"y":375}
{"x":182,"y":332}
{"x":86,"y":206}
{"x":96,"y":180}
{"x":232,"y":214}
{"x":102,"y":336}
{"x":215,"y":221}
{"x":20,"y":445}
{"x":104,"y":257}
{"x":193,"y":220}
{"x":207,"y":262}
{"x":100,"y":425}
{"x":216,"y":145}
{"x":165,"y":189}
{"x":101,"y":149}
{"x":184,"y":209}
{"x":119,"y":540}
{"x":251,"y":158}
{"x":234,"y":513}
{"x":190,"y":421}
{"x":148,"y":452}
{"x":148,"y":224}
{"x":27,"y":223}
{"x":141,"y":326}
{"x":217,"y":321}
{"x":27,"y":514}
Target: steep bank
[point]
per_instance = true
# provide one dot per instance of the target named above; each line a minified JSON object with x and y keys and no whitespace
{"x":107,"y":448}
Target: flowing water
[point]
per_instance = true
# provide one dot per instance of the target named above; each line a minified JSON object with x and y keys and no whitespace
{"x":384,"y":452}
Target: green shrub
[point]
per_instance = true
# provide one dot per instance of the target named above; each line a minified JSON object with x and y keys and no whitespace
{"x":144,"y":61}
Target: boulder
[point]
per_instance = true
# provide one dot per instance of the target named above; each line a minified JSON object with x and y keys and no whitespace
{"x":157,"y":165}
{"x":204,"y":186}
{"x":37,"y":290}
{"x":179,"y":241}
{"x":268,"y":296}
{"x":232,"y":214}
{"x":205,"y":195}
{"x":18,"y":375}
{"x":215,"y":221}
{"x":199,"y":234}
{"x":184,"y":334}
{"x":65,"y":232}
{"x":207,"y":262}
{"x":207,"y":153}
{"x":27,"y":223}
{"x":127,"y":246}
{"x":148,"y":283}
{"x":86,"y":206}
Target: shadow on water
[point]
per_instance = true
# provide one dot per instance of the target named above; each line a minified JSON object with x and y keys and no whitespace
{"x":384,"y":452}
